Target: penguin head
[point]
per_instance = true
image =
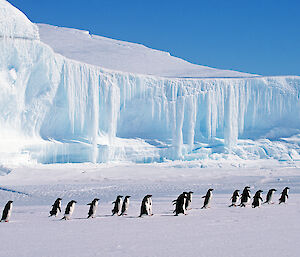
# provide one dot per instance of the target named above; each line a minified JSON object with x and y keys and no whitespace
{"x":58,"y":199}
{"x":260,"y":191}
{"x":149,"y":196}
{"x":211,"y":189}
{"x":237,"y":191}
{"x":73,"y":201}
{"x":273,"y":189}
{"x":287,"y":188}
{"x":10,"y":201}
{"x":96,"y":199}
{"x":127,"y":196}
{"x":185,"y":193}
{"x":191,"y":192}
{"x":119,"y":196}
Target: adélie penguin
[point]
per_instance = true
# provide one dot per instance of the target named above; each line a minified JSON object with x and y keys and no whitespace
{"x":207,"y":199}
{"x":125,"y":205}
{"x":284,"y":195}
{"x":188,"y":202}
{"x":7,"y":211}
{"x":235,"y":198}
{"x":69,"y":210}
{"x":117,"y":205}
{"x":257,"y":199}
{"x":180,"y":204}
{"x":56,"y":207}
{"x":93,"y":208}
{"x":146,"y":206}
{"x":245,"y":197}
{"x":270,"y":196}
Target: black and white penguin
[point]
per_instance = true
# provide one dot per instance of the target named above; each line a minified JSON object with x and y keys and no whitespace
{"x":7,"y":212}
{"x":146,"y":206}
{"x":56,"y":207}
{"x":93,"y":208}
{"x":245,"y":197}
{"x":188,"y":202}
{"x":207,"y":198}
{"x":69,"y":210}
{"x":125,"y":205}
{"x":270,"y":196}
{"x":257,"y":199}
{"x":235,"y":198}
{"x":117,"y":205}
{"x":180,"y":204}
{"x":284,"y":195}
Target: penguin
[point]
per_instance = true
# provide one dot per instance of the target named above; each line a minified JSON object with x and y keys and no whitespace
{"x":125,"y":205}
{"x":245,"y":196}
{"x":235,"y":197}
{"x":93,"y":208}
{"x":257,"y":199}
{"x":284,"y":195}
{"x":56,"y":207}
{"x":207,"y":198}
{"x":7,"y":212}
{"x":270,"y":196}
{"x":146,"y":206}
{"x":180,"y":204}
{"x":117,"y":205}
{"x":189,"y":200}
{"x":69,"y":210}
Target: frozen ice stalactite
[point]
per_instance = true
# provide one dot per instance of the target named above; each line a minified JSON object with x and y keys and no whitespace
{"x":53,"y":109}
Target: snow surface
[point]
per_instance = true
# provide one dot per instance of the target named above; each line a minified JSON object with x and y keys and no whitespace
{"x":123,"y":56}
{"x":271,"y":230}
{"x":54,"y":109}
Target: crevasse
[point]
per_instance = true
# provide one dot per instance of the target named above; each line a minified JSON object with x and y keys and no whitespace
{"x":53,"y":109}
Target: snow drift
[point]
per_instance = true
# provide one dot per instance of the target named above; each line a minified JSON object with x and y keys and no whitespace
{"x":54,"y":109}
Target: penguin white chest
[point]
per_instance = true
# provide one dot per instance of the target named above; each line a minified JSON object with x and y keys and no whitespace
{"x":9,"y":213}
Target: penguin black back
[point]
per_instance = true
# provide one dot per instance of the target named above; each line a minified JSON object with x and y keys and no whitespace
{"x":180,"y":204}
{"x":284,"y":195}
{"x":7,"y":211}
{"x":93,"y":208}
{"x":56,"y":207}
{"x":207,"y":198}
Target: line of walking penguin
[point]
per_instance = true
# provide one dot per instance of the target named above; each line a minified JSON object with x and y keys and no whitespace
{"x":182,"y":203}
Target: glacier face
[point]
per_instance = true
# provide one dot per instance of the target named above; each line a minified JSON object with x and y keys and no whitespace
{"x":53,"y":109}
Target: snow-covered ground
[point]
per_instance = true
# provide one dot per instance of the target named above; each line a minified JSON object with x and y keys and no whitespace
{"x":271,"y":230}
{"x":124,"y":56}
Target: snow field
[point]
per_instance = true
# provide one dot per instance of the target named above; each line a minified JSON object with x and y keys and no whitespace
{"x":220,"y":231}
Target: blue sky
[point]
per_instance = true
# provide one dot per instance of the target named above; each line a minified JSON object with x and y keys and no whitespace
{"x":256,"y":36}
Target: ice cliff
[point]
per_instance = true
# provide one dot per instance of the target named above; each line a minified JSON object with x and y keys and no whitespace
{"x":54,"y":109}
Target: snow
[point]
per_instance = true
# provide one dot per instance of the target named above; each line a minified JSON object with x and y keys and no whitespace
{"x":55,"y":110}
{"x":123,"y":56}
{"x":271,"y":230}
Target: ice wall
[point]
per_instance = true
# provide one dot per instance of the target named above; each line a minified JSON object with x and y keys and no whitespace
{"x":53,"y":109}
